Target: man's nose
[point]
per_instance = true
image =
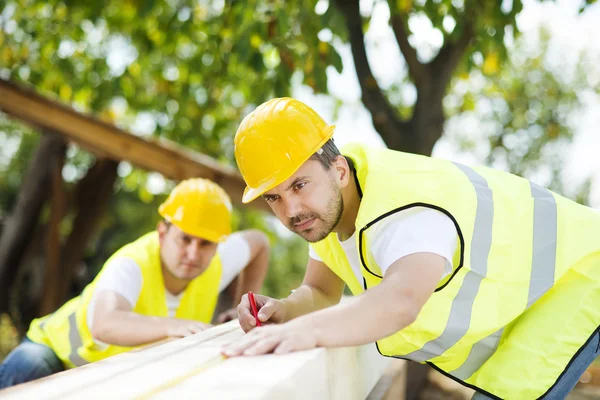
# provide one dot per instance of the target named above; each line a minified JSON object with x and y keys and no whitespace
{"x":193,"y":250}
{"x":291,"y":208}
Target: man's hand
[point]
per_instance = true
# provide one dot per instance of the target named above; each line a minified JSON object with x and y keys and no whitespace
{"x":228,"y":315}
{"x":278,"y":339}
{"x":269,"y":311}
{"x":177,"y":327}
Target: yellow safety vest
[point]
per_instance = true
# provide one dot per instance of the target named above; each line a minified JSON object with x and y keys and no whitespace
{"x":66,"y":330}
{"x":524,"y":292}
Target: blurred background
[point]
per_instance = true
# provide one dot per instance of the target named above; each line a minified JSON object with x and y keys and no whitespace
{"x":510,"y":84}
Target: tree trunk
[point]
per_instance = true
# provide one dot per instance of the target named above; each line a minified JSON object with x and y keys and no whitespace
{"x":91,"y":197}
{"x":21,"y":224}
{"x":427,"y":123}
{"x":52,"y":268}
{"x":28,"y":287}
{"x":419,"y":133}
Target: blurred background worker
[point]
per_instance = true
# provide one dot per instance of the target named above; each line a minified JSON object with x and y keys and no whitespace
{"x":165,"y":284}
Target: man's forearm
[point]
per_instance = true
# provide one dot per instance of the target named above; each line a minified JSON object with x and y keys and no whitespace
{"x":304,"y":300}
{"x":382,"y":310}
{"x":126,"y":328}
{"x":371,"y":316}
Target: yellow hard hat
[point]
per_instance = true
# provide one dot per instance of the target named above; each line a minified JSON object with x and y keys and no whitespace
{"x":274,"y":140}
{"x":199,"y":207}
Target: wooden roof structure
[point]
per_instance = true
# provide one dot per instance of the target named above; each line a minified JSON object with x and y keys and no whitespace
{"x":108,"y":141}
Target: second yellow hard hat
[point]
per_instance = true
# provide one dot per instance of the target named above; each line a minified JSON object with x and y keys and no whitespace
{"x":199,"y":207}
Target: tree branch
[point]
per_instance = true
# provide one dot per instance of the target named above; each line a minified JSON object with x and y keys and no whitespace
{"x":91,"y":194}
{"x":416,"y":70}
{"x":385,"y":120}
{"x":444,"y":64}
{"x":21,"y":224}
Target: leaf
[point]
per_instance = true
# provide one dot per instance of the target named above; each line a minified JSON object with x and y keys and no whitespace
{"x":65,"y":92}
{"x":336,"y":61}
{"x":404,"y":6}
{"x":490,"y":63}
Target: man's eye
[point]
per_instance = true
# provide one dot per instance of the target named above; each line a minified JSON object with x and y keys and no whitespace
{"x":270,"y":199}
{"x":299,"y":185}
{"x":186,"y":240}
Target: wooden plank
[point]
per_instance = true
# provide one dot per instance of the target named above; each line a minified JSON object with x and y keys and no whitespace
{"x":101,"y":373}
{"x":100,"y":138}
{"x":194,"y":367}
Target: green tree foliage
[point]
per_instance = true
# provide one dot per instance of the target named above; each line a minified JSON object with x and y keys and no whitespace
{"x":521,"y":118}
{"x":18,"y":145}
{"x":189,"y":70}
{"x":470,"y":34}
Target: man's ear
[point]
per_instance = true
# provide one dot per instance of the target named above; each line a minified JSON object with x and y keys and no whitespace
{"x":342,"y":169}
{"x":162,"y":229}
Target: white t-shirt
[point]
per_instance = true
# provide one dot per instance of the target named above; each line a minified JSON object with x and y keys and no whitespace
{"x":123,"y":275}
{"x":415,"y":230}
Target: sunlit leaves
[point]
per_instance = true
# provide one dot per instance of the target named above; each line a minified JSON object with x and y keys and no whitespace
{"x":523,"y":113}
{"x":155,"y":53}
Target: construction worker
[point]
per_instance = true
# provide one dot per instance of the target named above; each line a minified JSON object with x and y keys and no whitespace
{"x":165,"y":284}
{"x":489,"y":278}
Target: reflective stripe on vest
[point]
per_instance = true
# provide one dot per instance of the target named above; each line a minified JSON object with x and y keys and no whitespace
{"x":76,"y":342}
{"x":462,"y":305}
{"x":542,"y":274}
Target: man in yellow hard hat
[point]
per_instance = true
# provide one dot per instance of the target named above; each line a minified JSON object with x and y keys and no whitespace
{"x":489,"y":278}
{"x":165,"y":284}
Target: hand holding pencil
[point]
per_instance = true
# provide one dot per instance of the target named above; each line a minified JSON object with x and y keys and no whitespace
{"x":257,"y":310}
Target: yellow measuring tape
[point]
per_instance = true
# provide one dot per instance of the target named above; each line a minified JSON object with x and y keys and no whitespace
{"x":213,"y":362}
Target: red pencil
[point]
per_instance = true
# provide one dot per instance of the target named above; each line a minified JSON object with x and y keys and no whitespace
{"x":253,"y":307}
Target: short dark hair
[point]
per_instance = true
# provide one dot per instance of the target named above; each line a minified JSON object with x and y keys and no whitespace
{"x":327,"y":154}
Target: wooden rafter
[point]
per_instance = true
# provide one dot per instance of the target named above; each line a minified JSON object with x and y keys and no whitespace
{"x":105,"y":140}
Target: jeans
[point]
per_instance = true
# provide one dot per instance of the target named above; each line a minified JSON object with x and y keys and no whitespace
{"x":28,"y":361}
{"x":571,"y":375}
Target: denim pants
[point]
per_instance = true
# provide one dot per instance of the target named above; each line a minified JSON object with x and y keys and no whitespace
{"x":28,"y":361}
{"x":571,"y":375}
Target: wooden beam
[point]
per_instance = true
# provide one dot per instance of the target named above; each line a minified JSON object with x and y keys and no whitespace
{"x":100,"y":138}
{"x":193,"y":367}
